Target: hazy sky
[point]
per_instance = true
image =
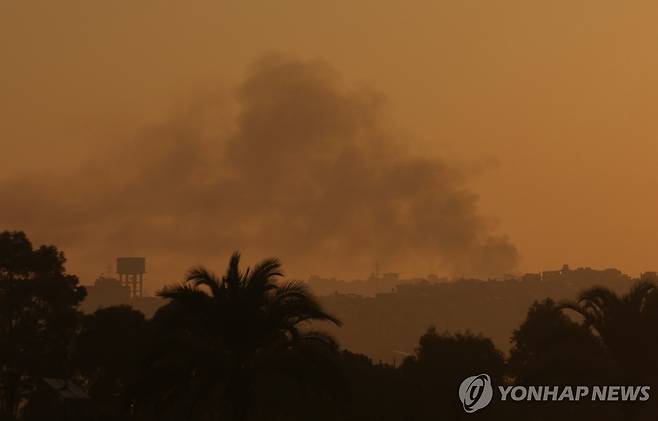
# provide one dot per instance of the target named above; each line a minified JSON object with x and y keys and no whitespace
{"x":547,"y":107}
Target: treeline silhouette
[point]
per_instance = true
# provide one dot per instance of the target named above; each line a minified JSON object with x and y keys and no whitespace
{"x":243,"y":346}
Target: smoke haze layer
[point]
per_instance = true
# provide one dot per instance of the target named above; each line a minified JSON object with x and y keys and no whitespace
{"x":306,"y":169}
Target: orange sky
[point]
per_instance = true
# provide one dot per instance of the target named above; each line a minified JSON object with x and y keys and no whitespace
{"x":559,"y":95}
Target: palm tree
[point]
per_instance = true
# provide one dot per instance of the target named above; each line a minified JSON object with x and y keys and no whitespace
{"x":222,"y":333}
{"x":626,"y":324}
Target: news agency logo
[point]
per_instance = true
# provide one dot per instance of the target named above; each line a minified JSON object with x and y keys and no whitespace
{"x":475,"y":392}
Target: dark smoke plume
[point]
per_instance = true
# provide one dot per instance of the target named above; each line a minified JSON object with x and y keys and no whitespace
{"x":308,"y":170}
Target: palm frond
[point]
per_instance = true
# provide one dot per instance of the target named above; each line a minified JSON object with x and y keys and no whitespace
{"x":291,"y":290}
{"x":600,"y":296}
{"x":571,"y":305}
{"x":319,"y":337}
{"x":590,"y":315}
{"x":293,"y":300}
{"x":184,"y":294}
{"x":199,"y":276}
{"x":260,"y":279}
{"x":233,"y":275}
{"x":638,"y":294}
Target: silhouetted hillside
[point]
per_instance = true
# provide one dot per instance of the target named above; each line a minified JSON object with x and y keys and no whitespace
{"x":386,"y":325}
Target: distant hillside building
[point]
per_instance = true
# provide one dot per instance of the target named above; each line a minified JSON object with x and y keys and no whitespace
{"x":131,"y":272}
{"x":531,"y":277}
{"x":127,"y":289}
{"x":105,"y":292}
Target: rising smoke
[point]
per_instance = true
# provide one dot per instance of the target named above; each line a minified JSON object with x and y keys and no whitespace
{"x":307,"y":170}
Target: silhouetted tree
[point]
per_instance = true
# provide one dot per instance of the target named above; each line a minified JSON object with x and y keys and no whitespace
{"x":551,"y":349}
{"x":626,"y":325}
{"x":38,"y":318}
{"x":110,"y":348}
{"x":438,"y":367}
{"x":218,"y":337}
{"x":377,"y":391}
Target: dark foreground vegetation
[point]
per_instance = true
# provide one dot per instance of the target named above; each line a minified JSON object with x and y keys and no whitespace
{"x":242,"y":346}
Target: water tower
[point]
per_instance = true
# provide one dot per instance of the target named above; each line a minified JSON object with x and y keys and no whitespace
{"x":131,"y":272}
